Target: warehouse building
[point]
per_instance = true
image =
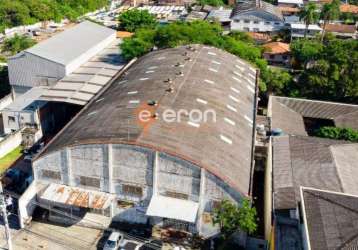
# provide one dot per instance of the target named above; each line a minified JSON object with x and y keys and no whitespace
{"x":49,"y":61}
{"x":159,"y":173}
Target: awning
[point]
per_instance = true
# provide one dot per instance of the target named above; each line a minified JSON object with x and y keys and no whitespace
{"x":172,"y":208}
{"x":77,"y":196}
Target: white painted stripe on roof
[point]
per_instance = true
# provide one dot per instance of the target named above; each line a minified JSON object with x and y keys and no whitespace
{"x":197,"y":125}
{"x":92,"y":113}
{"x":237,"y":60}
{"x":209,"y":81}
{"x":153,"y":67}
{"x":213,"y":70}
{"x":251,"y":89}
{"x":216,"y":62}
{"x":161,"y":58}
{"x":236,"y":79}
{"x":211,"y":53}
{"x":122,"y":81}
{"x":149,"y":71}
{"x":231,"y":108}
{"x":229,"y":121}
{"x":101,"y":99}
{"x":237,"y":73}
{"x":233,"y":98}
{"x":248,"y":119}
{"x":252,"y":70}
{"x":201,"y":101}
{"x":239,"y":67}
{"x":235,"y":90}
{"x":225,"y":139}
{"x":143,"y":79}
{"x":134,"y":101}
{"x":132,"y":92}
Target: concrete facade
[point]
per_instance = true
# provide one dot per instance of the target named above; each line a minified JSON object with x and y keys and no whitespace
{"x":134,"y":174}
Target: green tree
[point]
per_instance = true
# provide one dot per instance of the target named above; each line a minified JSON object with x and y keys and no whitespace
{"x":309,"y":14}
{"x":13,"y":13}
{"x":231,"y":217}
{"x":16,"y":44}
{"x":336,"y":133}
{"x":330,"y":11}
{"x":305,"y":51}
{"x":134,"y":19}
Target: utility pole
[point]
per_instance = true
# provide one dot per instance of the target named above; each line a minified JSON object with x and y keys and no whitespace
{"x":4,"y":215}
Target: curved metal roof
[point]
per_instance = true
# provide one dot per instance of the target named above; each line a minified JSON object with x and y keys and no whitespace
{"x":184,"y":78}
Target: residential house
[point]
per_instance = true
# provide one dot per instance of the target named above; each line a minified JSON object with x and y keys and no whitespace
{"x":299,"y":30}
{"x":277,"y":53}
{"x":343,"y":31}
{"x":256,"y":16}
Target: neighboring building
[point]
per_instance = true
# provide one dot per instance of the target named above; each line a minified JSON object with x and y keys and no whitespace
{"x":222,"y":16}
{"x":343,"y":31}
{"x":256,"y":16}
{"x":277,"y":53}
{"x":301,"y":117}
{"x":349,"y":8}
{"x":23,"y":112}
{"x":288,"y":11}
{"x":297,"y":158}
{"x":290,"y":3}
{"x":49,"y":61}
{"x":330,"y":219}
{"x":155,"y":172}
{"x":260,"y":38}
{"x":298,"y":30}
{"x":176,"y":2}
{"x":166,"y":13}
{"x":196,"y":15}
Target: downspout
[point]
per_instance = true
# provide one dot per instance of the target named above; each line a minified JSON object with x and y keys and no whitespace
{"x":254,"y":132}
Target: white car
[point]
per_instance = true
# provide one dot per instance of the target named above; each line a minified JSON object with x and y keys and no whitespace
{"x":114,"y":241}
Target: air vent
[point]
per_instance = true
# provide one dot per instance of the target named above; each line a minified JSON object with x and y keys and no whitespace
{"x":170,"y":90}
{"x":152,"y":103}
{"x":169,"y":80}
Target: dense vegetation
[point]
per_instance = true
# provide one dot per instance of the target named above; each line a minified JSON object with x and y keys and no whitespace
{"x":212,"y":2}
{"x":134,"y":19}
{"x":347,"y":134}
{"x":23,"y":12}
{"x":231,"y":218}
{"x":328,"y":70}
{"x":16,"y":44}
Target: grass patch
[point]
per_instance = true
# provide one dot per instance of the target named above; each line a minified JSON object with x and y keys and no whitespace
{"x":10,"y":158}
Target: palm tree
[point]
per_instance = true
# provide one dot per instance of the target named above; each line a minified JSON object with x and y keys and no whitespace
{"x":330,"y":11}
{"x":309,"y":15}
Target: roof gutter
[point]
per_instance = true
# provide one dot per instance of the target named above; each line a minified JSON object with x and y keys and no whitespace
{"x":256,"y":101}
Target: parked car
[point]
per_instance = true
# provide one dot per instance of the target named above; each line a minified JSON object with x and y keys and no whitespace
{"x":114,"y":241}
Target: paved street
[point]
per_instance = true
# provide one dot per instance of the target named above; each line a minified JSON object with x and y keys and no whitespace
{"x":47,"y":236}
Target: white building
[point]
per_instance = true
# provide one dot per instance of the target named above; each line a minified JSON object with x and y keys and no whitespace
{"x":256,"y":16}
{"x":49,"y":61}
{"x":299,"y":30}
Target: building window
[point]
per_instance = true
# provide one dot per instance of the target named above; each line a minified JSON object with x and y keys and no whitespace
{"x":50,"y":174}
{"x":246,"y":29}
{"x":284,"y":57}
{"x":267,"y":23}
{"x":124,"y":204}
{"x":272,"y":56}
{"x":256,"y":30}
{"x":11,"y":119}
{"x":236,"y":21}
{"x":90,"y":181}
{"x":276,"y":23}
{"x":132,"y":190}
{"x":177,"y":195}
{"x":246,"y":21}
{"x":256,"y":22}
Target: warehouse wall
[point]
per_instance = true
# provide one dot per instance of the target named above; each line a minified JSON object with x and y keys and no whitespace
{"x":129,"y":172}
{"x":28,"y":70}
